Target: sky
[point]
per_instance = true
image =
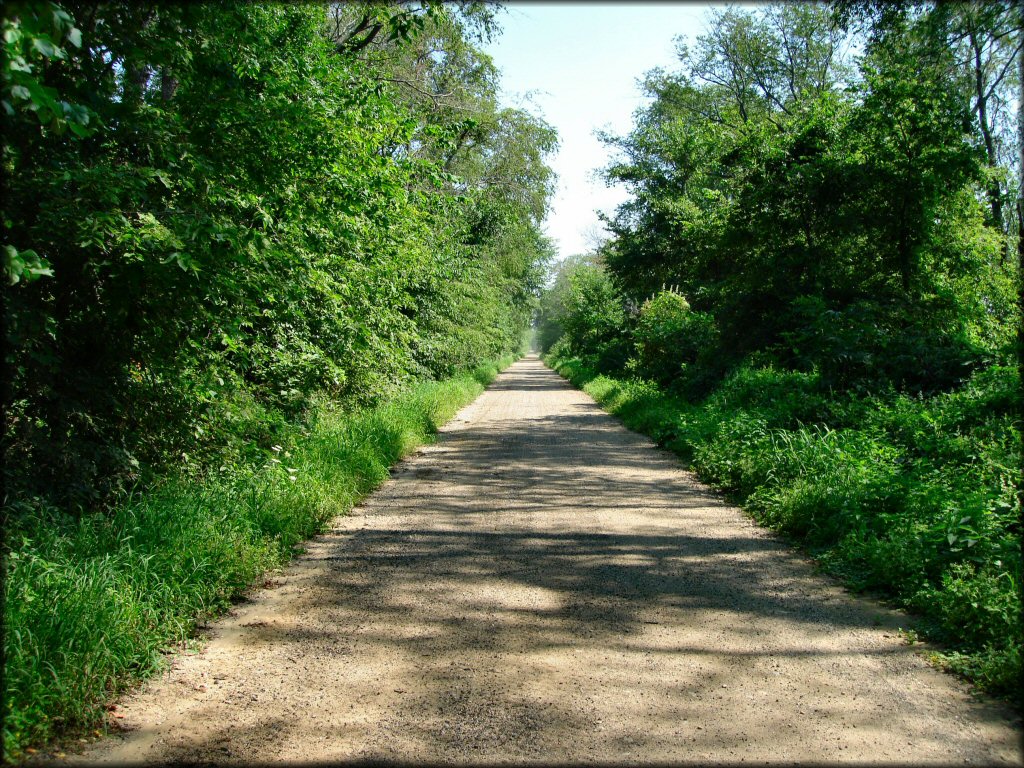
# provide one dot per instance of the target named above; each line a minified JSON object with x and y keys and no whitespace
{"x":579,"y":64}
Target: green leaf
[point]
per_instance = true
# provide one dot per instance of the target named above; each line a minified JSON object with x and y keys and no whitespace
{"x":27,"y":265}
{"x":62,"y":18}
{"x":48,"y":49}
{"x":79,"y":130}
{"x":18,"y":64}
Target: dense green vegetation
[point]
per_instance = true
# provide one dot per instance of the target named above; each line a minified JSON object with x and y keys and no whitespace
{"x":813,"y":296}
{"x":231,"y":232}
{"x":247,"y":208}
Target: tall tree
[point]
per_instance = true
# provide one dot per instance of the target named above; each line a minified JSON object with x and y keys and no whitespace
{"x":262,"y":217}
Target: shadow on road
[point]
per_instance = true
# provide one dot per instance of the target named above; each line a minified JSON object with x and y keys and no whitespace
{"x":537,"y":572}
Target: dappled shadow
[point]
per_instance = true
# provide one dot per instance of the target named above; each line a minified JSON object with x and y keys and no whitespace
{"x":545,"y":585}
{"x":527,"y":380}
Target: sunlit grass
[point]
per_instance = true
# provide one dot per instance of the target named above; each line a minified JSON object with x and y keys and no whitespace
{"x":93,"y":604}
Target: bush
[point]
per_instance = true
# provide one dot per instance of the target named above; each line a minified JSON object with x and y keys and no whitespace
{"x":867,"y":345}
{"x":669,"y":337}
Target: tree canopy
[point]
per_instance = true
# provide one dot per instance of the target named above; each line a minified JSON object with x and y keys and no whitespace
{"x":216,"y":215}
{"x":835,"y":211}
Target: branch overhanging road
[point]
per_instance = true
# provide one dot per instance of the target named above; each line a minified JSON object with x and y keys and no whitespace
{"x":544,"y":585}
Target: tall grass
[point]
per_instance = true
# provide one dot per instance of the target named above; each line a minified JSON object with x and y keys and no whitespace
{"x":907,"y":496}
{"x":93,"y":604}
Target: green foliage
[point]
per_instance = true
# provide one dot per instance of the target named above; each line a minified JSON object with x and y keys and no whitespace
{"x":93,"y":603}
{"x":24,"y":265}
{"x":662,"y":341}
{"x":828,"y":219}
{"x":552,"y":306}
{"x":907,"y":495}
{"x":593,"y":317}
{"x":671,"y":340}
{"x":36,"y":36}
{"x":264,"y":216}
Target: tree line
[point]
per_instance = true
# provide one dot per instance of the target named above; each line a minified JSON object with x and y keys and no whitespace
{"x":820,"y":209}
{"x":813,"y":293}
{"x":217,"y":216}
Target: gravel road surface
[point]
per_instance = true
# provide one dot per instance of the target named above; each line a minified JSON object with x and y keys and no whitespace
{"x":544,"y":585}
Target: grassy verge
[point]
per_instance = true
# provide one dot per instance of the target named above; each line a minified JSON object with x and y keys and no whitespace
{"x":909,"y":497}
{"x":93,"y":603}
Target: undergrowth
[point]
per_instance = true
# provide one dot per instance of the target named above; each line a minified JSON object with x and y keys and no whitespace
{"x":910,"y":497}
{"x":94,"y":603}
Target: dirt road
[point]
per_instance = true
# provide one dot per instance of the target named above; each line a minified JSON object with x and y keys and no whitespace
{"x":544,"y":585}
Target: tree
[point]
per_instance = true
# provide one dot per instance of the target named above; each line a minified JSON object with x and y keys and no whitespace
{"x":778,"y":188}
{"x":263,"y":219}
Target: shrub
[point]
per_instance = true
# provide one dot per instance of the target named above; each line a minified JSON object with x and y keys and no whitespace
{"x":669,"y":337}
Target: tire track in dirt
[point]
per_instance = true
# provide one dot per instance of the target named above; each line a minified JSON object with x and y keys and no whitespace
{"x":544,"y":585}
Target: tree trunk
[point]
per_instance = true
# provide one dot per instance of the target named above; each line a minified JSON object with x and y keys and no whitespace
{"x":995,"y":196}
{"x":168,"y":84}
{"x":137,"y":77}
